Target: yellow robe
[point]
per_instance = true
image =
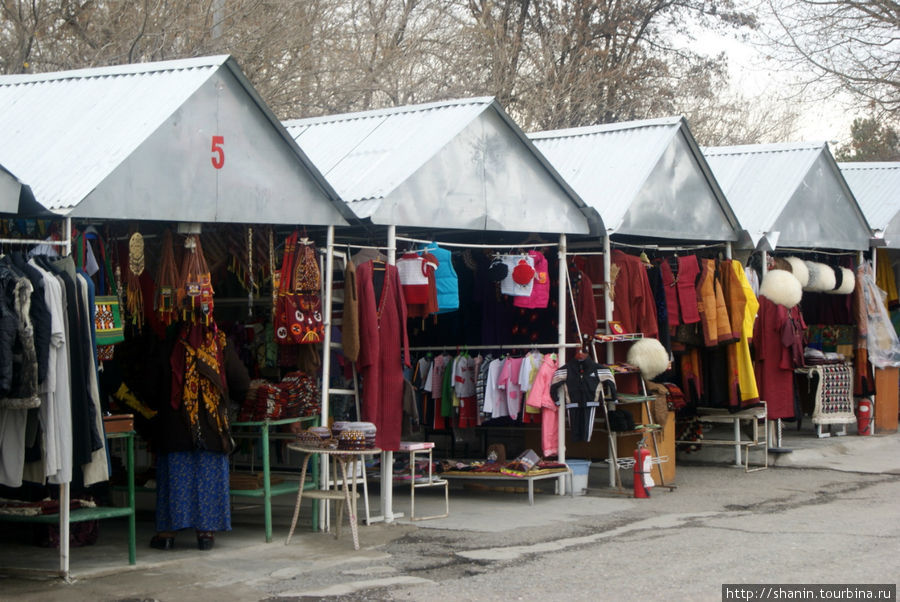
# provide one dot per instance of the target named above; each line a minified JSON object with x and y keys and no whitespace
{"x":746,"y":375}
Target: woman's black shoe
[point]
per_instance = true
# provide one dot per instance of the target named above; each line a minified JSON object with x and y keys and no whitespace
{"x":162,"y":543}
{"x":205,"y":541}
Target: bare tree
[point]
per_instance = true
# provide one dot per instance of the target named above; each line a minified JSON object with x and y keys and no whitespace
{"x":551,"y":63}
{"x":841,"y":46}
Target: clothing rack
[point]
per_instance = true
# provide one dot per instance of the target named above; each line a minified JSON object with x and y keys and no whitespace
{"x":478,"y":246}
{"x":657,"y":247}
{"x":814,"y":252}
{"x":64,"y":488}
{"x":492,"y":347}
{"x":391,"y":251}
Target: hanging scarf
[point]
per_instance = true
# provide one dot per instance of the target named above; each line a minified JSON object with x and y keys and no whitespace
{"x":198,"y":384}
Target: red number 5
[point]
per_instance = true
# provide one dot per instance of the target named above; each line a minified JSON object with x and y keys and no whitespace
{"x":218,"y":158}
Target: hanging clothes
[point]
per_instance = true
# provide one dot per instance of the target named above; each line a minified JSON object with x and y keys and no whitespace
{"x":383,"y":351}
{"x":635,"y":306}
{"x":685,"y":286}
{"x":446,"y":279}
{"x":540,"y":291}
{"x":350,"y":318}
{"x":539,"y":398}
{"x":774,"y":337}
{"x":55,"y":412}
{"x":711,"y":306}
{"x":579,"y":384}
{"x":749,"y":392}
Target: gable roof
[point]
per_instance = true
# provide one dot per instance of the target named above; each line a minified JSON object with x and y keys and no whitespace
{"x":645,"y":178}
{"x":16,"y":198}
{"x":790,"y":195}
{"x":136,"y":142}
{"x":456,"y":164}
{"x":876,"y":186}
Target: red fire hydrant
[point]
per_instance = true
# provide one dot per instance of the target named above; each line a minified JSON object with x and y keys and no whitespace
{"x":864,"y":418}
{"x":642,"y":471}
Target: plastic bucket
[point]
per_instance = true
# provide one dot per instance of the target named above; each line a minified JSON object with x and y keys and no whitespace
{"x":580,"y":469}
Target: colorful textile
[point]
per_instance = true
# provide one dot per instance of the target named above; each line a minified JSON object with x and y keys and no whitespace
{"x":834,"y":394}
{"x":198,"y":385}
{"x":192,"y":491}
{"x":296,"y":395}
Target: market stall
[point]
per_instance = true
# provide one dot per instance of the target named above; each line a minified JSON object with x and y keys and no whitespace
{"x":180,"y":150}
{"x":793,"y":202}
{"x":876,"y":187}
{"x":456,"y":176}
{"x":661,"y":206}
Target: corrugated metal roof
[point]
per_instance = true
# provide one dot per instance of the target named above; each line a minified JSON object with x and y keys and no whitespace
{"x":760,"y":179}
{"x":790,"y":194}
{"x":46,"y":119}
{"x":430,"y":155}
{"x":366,"y":155}
{"x":609,"y":164}
{"x":876,"y":186}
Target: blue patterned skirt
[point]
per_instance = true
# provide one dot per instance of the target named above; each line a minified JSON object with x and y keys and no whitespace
{"x":192,"y":491}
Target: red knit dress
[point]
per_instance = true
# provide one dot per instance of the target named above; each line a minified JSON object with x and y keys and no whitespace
{"x":383,"y":351}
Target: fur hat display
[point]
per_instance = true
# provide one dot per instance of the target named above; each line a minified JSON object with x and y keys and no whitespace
{"x":650,"y":357}
{"x":845,"y":282}
{"x":799,"y":270}
{"x":781,"y":287}
{"x":821,"y":277}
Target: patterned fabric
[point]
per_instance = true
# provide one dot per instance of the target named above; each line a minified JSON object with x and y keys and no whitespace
{"x":834,"y":395}
{"x":192,"y":492}
{"x":199,"y":389}
{"x":296,"y":395}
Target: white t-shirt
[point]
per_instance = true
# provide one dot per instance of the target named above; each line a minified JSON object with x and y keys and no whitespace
{"x":530,"y":366}
{"x":508,"y":286}
{"x":464,"y":376}
{"x":494,"y":399}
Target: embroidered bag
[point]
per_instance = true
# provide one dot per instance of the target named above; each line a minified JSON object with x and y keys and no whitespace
{"x":107,"y":312}
{"x":195,"y":289}
{"x":166,"y":281}
{"x":298,"y":307}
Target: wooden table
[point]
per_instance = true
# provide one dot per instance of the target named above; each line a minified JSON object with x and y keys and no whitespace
{"x":344,"y":493}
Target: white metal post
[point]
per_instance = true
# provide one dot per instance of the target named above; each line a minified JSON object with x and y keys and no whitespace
{"x":328,"y":282}
{"x":562,"y":291}
{"x":387,"y":457}
{"x":610,"y":356}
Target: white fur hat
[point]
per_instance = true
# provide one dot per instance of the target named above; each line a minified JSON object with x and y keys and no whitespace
{"x":649,"y":356}
{"x":821,"y":277}
{"x":799,"y":269}
{"x":781,"y":287}
{"x":848,"y":282}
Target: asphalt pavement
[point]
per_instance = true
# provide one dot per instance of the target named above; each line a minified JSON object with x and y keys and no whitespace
{"x":824,"y":513}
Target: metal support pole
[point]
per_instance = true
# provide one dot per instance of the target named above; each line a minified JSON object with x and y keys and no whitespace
{"x":387,"y":457}
{"x":328,"y":283}
{"x":610,"y":357}
{"x":607,"y":298}
{"x":562,"y":291}
{"x":64,"y":530}
{"x":68,"y":240}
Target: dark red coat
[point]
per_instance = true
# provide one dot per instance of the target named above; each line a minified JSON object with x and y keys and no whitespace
{"x":383,"y":351}
{"x":775,"y":338}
